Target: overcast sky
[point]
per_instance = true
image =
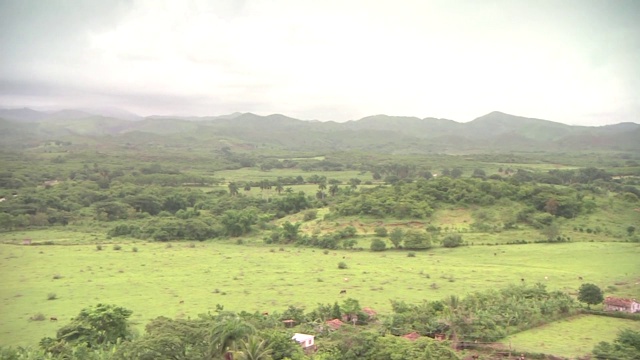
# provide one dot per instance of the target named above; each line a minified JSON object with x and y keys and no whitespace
{"x":576,"y":62}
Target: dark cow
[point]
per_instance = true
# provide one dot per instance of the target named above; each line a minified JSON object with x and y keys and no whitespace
{"x":53,"y":318}
{"x":343,"y":292}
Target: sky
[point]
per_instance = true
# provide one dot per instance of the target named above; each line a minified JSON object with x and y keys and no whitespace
{"x":570,"y":61}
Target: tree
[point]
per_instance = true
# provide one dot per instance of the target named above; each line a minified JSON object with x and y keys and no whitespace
{"x":396,"y":236}
{"x":417,"y":240}
{"x":254,"y":349}
{"x":381,"y":231}
{"x":233,"y":189}
{"x":290,"y":231}
{"x":101,"y":324}
{"x":378,"y":245}
{"x":333,"y":190}
{"x":456,"y":173}
{"x":551,"y":232}
{"x":590,"y":294}
{"x":626,"y":346}
{"x":631,"y":229}
{"x":226,"y":333}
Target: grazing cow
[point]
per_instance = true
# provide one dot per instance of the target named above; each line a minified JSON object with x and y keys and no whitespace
{"x":53,"y":318}
{"x":546,"y":278}
{"x":265,"y":314}
{"x":346,"y":279}
{"x":343,"y":292}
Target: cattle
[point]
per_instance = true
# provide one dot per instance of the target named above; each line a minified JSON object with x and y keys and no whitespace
{"x":343,"y":292}
{"x":53,"y":318}
{"x":265,"y":314}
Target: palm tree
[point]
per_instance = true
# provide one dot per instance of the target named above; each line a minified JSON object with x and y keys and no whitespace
{"x":254,"y":349}
{"x":333,"y":190}
{"x":226,"y":333}
{"x":279,"y":188}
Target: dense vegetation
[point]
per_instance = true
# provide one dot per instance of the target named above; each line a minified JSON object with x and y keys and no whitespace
{"x":178,"y":186}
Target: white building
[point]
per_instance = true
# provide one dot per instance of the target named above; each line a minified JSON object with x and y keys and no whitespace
{"x":303,"y":339}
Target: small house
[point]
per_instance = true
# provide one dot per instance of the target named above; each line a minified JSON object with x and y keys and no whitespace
{"x":620,"y":304}
{"x":305,"y":340}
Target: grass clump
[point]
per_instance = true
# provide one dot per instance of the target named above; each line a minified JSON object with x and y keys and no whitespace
{"x":117,"y":247}
{"x":52,"y":296}
{"x":342,"y":265}
{"x":37,"y":317}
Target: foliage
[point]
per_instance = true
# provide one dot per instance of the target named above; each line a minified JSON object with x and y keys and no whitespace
{"x":590,"y":294}
{"x":378,"y":245}
{"x":453,"y":240}
{"x":626,"y":346}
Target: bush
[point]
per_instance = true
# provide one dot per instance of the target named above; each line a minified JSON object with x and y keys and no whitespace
{"x":381,"y":231}
{"x":99,"y":247}
{"x":52,"y":296}
{"x":411,"y":254}
{"x":378,"y":245}
{"x":57,"y":276}
{"x":117,"y":247}
{"x":134,"y":249}
{"x":342,"y":265}
{"x":310,"y":215}
{"x":451,"y":241}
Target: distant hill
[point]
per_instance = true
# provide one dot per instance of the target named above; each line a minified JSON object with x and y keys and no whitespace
{"x":494,"y":132}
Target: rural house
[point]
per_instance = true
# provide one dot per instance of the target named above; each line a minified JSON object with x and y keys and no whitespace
{"x":620,"y":304}
{"x":305,"y":340}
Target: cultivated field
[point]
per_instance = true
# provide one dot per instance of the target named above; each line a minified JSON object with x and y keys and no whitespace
{"x":156,"y":278}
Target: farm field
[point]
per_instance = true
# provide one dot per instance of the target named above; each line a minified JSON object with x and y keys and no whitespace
{"x":579,"y":335}
{"x":154,"y":280}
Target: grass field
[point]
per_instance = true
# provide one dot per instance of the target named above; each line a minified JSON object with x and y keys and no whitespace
{"x":254,"y":174}
{"x":579,"y":335}
{"x":253,"y":277}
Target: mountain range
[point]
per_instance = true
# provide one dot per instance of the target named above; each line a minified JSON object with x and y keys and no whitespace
{"x":493,"y":132}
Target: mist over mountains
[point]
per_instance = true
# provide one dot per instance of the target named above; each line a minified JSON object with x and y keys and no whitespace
{"x":493,"y":132}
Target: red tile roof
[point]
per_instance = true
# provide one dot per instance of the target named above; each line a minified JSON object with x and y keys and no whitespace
{"x":618,"y":302}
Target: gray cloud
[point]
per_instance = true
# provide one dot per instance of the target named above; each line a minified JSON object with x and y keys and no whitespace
{"x":573,"y":61}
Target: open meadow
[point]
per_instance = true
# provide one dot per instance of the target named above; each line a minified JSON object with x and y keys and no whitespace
{"x":579,"y":335}
{"x":181,"y":280}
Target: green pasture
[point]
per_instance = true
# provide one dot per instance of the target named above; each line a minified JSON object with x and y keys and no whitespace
{"x":255,"y":174}
{"x":579,"y":335}
{"x":156,"y":279}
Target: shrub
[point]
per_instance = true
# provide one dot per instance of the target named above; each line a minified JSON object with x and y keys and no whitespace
{"x":191,"y":245}
{"x":57,"y":276}
{"x":411,"y":254}
{"x":310,"y":215}
{"x":134,"y":249}
{"x":342,"y":265}
{"x":378,"y":245}
{"x":451,"y":241}
{"x":117,"y":247}
{"x":326,"y":252}
{"x":381,"y":231}
{"x":52,"y":296}
{"x":99,"y":247}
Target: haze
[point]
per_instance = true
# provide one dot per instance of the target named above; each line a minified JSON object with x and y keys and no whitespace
{"x":574,"y":62}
